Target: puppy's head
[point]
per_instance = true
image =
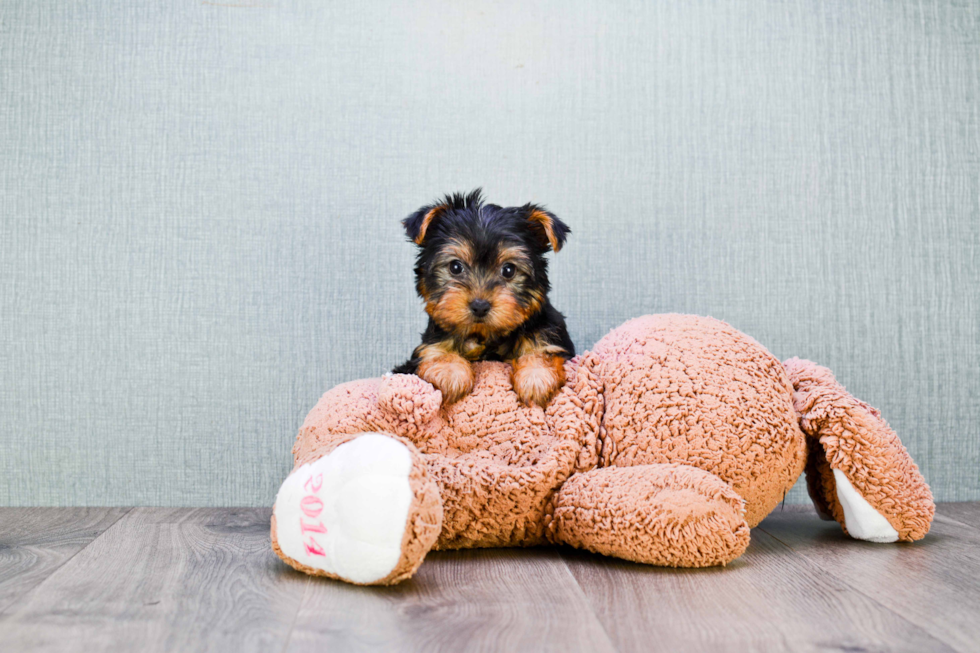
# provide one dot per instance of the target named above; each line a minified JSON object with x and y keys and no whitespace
{"x":481,"y":268}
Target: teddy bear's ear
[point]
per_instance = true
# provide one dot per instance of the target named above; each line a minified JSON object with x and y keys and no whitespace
{"x":417,"y":224}
{"x":408,"y":400}
{"x":550,"y":231}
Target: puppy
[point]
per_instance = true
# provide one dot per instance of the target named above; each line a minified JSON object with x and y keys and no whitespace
{"x":483,"y":276}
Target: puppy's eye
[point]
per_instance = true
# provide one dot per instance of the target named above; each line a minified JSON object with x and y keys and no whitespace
{"x":508,"y":271}
{"x":456,"y":268}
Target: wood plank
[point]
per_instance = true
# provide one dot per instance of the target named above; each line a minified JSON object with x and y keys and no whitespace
{"x":182,"y":579}
{"x":932,"y":583}
{"x":165,"y":580}
{"x":476,"y":600}
{"x":35,"y":542}
{"x":770,"y":599}
{"x":966,"y":512}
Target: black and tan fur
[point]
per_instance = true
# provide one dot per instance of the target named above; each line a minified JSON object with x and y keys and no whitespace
{"x":482,"y":273}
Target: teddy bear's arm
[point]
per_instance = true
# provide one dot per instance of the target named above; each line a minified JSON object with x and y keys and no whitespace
{"x":662,"y":514}
{"x":857,"y":470}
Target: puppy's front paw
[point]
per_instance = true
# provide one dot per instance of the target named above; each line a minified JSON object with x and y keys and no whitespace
{"x":538,"y":377}
{"x":451,"y":374}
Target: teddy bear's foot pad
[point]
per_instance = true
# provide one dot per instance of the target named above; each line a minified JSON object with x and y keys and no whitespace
{"x":345,"y":514}
{"x":863,"y":522}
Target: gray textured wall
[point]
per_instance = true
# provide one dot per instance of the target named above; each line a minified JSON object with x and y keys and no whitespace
{"x":200,"y":208}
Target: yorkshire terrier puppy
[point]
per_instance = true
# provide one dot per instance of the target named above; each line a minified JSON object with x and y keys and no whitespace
{"x":483,"y":276}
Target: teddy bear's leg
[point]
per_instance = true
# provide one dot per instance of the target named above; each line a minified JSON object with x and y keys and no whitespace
{"x":663,"y":514}
{"x":365,"y":512}
{"x":858,"y":472}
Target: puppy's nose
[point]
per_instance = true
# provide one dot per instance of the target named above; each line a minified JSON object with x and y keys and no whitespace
{"x":480,"y":307}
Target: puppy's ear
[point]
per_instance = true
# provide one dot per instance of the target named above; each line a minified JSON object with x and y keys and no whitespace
{"x":417,"y":224}
{"x":551,"y":231}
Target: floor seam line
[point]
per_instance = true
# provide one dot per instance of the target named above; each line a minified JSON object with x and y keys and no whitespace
{"x":54,"y":571}
{"x":957,"y":521}
{"x":292,"y":625}
{"x":897,"y":614}
{"x":588,"y":602}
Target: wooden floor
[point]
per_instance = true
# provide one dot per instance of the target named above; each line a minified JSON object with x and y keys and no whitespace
{"x":149,"y":579}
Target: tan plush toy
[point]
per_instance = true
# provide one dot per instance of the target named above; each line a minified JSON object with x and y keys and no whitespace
{"x":671,"y":439}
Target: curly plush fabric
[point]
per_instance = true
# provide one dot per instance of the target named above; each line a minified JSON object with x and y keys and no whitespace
{"x":670,"y":515}
{"x":850,"y":436}
{"x":692,"y":390}
{"x":669,"y":440}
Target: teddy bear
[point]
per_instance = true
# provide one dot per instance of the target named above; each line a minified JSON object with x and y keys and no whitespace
{"x":671,"y":438}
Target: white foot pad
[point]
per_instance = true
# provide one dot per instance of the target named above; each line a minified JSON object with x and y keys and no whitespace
{"x":346,"y":512}
{"x":863,"y":522}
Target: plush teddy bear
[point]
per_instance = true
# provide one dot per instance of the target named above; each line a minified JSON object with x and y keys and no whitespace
{"x":671,"y":439}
